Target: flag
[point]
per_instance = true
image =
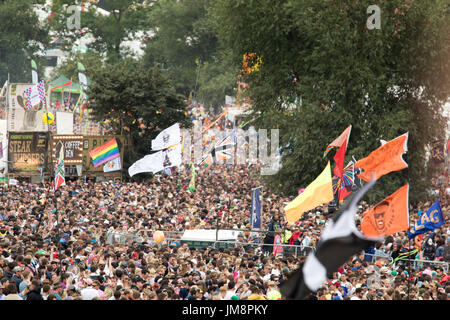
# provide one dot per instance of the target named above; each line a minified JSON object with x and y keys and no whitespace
{"x":192,"y":182}
{"x":345,"y":186}
{"x":320,"y":191}
{"x":255,"y":215}
{"x":35,"y":95}
{"x":34,"y":73}
{"x":112,"y":165}
{"x":167,"y":138}
{"x":437,"y":152}
{"x":277,"y":247}
{"x":389,"y":216}
{"x":215,"y":121}
{"x":428,"y":221}
{"x":339,"y":159}
{"x":385,"y":159}
{"x":105,"y":152}
{"x":63,"y":85}
{"x":157,"y":161}
{"x":149,"y":163}
{"x":230,"y":101}
{"x":59,"y":170}
{"x":222,"y":151}
{"x":339,"y":241}
{"x":82,"y":78}
{"x":41,"y":171}
{"x":337,"y":143}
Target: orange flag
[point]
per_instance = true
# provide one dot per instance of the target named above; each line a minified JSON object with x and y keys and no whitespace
{"x":389,"y":216}
{"x":385,"y":159}
{"x":339,"y":141}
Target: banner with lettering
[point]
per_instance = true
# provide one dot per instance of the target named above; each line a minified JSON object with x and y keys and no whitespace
{"x":27,"y":151}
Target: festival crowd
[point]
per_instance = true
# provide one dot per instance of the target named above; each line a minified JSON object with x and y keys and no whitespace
{"x":69,"y":251}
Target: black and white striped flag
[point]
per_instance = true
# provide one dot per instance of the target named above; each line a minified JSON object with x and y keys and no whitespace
{"x":339,"y":241}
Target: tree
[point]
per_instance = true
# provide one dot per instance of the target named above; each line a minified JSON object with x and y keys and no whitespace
{"x":21,"y":38}
{"x":186,"y":46}
{"x":137,"y":101}
{"x":91,"y":61}
{"x":323,"y":69}
{"x":120,"y":21}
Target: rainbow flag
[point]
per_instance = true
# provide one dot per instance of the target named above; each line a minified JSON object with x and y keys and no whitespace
{"x":105,"y":152}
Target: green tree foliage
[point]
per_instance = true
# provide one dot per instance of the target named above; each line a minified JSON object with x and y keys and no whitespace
{"x":109,"y":30}
{"x":186,"y":46}
{"x":91,"y":61}
{"x":138,"y":102}
{"x":323,"y":69}
{"x":21,"y":38}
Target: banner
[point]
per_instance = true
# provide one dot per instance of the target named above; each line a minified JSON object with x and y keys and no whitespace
{"x":27,"y":151}
{"x":19,"y":118}
{"x":428,"y":221}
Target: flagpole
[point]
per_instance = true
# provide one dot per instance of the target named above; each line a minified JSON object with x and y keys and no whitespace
{"x":409,"y":228}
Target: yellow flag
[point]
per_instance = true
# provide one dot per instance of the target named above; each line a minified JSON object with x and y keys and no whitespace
{"x":320,"y":191}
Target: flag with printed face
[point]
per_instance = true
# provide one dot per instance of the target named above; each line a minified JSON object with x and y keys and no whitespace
{"x":339,"y":141}
{"x":385,"y":159}
{"x":389,"y":216}
{"x":167,"y":138}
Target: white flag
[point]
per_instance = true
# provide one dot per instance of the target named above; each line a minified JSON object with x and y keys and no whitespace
{"x":158,"y":161}
{"x":112,"y":165}
{"x":167,"y":138}
{"x":150,"y":163}
{"x":230,"y":101}
{"x":172,"y":157}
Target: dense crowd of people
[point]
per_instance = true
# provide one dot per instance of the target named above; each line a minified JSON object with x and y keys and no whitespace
{"x":64,"y":250}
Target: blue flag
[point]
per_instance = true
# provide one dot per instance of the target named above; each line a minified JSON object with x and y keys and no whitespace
{"x":256,"y":209}
{"x":428,"y":221}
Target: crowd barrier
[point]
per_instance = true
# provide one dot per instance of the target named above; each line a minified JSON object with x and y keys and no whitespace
{"x":139,"y":236}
